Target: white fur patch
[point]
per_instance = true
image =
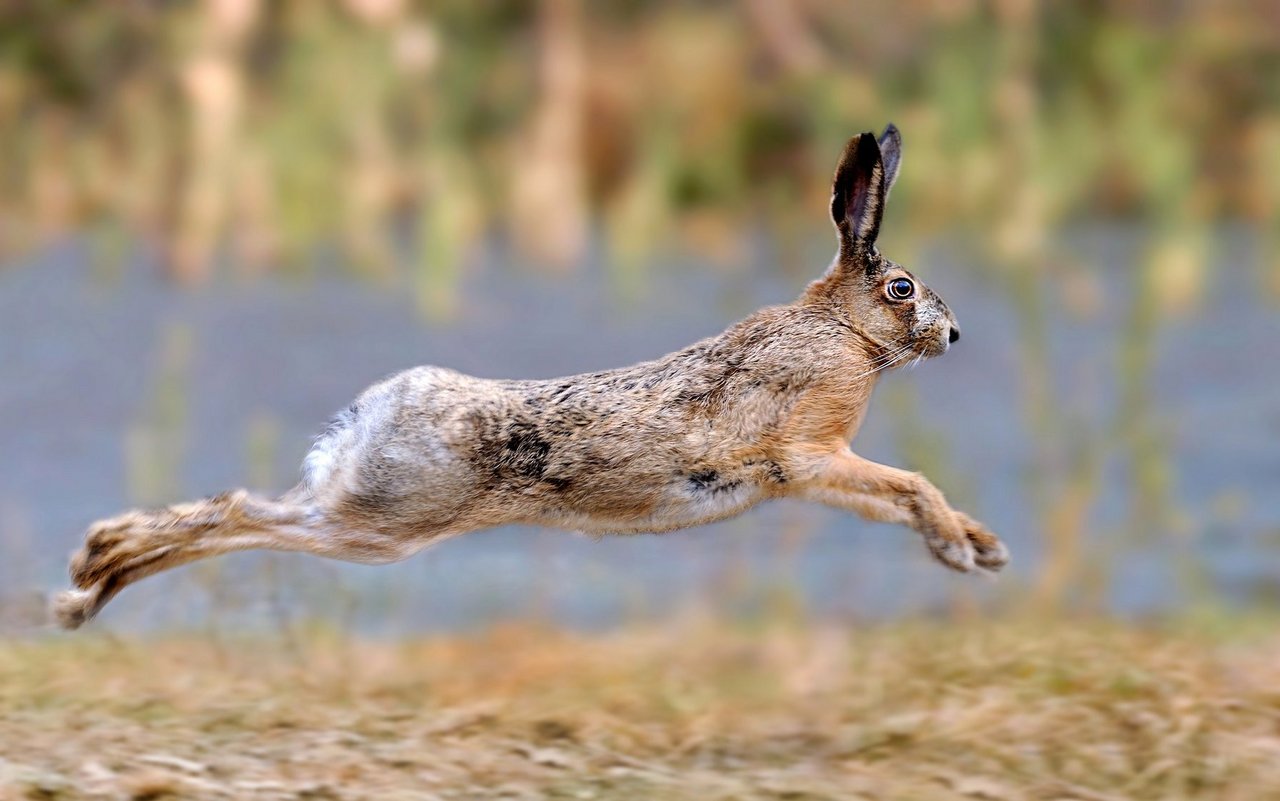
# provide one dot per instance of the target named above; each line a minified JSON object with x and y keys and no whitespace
{"x":318,"y":466}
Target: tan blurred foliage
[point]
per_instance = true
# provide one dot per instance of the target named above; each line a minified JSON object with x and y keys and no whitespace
{"x":1085,"y":711}
{"x":260,"y":130}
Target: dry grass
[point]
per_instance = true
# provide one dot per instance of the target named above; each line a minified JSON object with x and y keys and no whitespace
{"x":1063,"y":711}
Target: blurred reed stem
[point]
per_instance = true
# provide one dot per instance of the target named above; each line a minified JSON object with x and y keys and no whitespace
{"x":262,"y":130}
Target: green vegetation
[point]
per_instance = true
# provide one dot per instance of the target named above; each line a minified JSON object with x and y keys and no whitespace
{"x":262,"y":130}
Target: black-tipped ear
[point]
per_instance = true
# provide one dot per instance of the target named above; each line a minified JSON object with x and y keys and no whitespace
{"x":857,"y":194}
{"x":891,"y":154}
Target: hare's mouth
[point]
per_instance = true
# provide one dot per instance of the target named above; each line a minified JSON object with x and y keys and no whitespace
{"x":933,"y":341}
{"x":919,"y":349}
{"x":935,"y":346}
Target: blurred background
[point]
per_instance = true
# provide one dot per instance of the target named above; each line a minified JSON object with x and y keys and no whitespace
{"x":220,"y":220}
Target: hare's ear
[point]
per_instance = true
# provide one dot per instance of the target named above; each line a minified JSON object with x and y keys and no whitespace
{"x":891,"y":155}
{"x":857,"y":195}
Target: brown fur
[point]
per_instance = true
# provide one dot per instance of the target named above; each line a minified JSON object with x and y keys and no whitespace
{"x":765,"y":410}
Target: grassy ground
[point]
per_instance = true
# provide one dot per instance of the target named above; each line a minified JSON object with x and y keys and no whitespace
{"x":1059,"y":711}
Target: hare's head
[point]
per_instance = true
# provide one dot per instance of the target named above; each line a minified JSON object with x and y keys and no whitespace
{"x":883,"y":302}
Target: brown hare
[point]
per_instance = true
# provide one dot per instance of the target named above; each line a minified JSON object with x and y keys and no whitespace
{"x":766,"y":409}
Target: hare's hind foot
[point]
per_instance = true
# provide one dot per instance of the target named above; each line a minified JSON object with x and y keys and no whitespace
{"x":124,"y":549}
{"x":134,"y":545}
{"x":73,"y":608}
{"x":123,"y":543}
{"x":106,"y":544}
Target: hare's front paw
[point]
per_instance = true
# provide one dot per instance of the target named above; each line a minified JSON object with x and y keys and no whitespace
{"x":989,"y":551}
{"x":956,"y":552}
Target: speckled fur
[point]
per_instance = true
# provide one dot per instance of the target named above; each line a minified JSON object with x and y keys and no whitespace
{"x":764,"y":410}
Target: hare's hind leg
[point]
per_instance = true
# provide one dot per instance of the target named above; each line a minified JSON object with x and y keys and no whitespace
{"x":124,"y":549}
{"x":127,"y":541}
{"x":76,"y":607}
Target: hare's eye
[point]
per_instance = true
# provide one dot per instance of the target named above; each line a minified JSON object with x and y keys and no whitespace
{"x":901,"y":289}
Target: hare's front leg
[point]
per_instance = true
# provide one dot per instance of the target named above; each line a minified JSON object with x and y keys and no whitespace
{"x":890,"y":495}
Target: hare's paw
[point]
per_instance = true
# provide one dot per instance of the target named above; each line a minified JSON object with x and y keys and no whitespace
{"x":989,"y":552}
{"x":71,"y":609}
{"x":108,"y":547}
{"x":955,"y":552}
{"x":93,"y":561}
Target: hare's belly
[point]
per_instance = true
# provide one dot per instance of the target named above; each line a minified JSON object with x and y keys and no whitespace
{"x":702,"y":498}
{"x":705,"y":496}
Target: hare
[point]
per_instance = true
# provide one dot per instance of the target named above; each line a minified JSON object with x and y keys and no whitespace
{"x":766,"y":409}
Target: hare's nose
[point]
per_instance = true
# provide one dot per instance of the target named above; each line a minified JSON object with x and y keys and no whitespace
{"x":954,"y":335}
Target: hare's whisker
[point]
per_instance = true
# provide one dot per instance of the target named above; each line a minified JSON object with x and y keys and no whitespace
{"x":885,"y":362}
{"x":895,"y":358}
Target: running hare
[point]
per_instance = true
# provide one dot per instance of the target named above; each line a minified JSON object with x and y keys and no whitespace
{"x":764,"y":410}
